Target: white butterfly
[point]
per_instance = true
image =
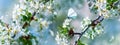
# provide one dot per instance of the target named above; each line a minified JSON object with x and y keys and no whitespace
{"x":72,"y":14}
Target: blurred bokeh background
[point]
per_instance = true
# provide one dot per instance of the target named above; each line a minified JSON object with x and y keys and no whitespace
{"x":111,"y":35}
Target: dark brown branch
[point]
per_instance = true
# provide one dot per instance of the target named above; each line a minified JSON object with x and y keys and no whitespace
{"x":82,"y":34}
{"x":26,"y":23}
{"x":93,"y":24}
{"x":77,"y":34}
{"x":4,"y":24}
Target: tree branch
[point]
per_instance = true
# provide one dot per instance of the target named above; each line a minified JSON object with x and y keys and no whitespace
{"x":93,"y":24}
{"x":32,"y":18}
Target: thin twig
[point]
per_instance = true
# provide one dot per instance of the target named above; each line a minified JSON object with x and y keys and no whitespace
{"x":32,"y":18}
{"x":93,"y":24}
{"x":84,"y":31}
{"x":82,"y":34}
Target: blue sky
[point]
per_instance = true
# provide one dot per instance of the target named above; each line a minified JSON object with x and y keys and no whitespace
{"x":6,"y":5}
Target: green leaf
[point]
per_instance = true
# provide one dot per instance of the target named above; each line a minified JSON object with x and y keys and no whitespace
{"x":24,"y":18}
{"x":80,"y":43}
{"x":63,"y":30}
{"x":25,"y":41}
{"x":27,"y":16}
{"x":111,"y":1}
{"x":41,"y":27}
{"x":110,"y":4}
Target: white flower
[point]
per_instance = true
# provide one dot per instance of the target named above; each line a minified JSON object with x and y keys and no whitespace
{"x":37,"y":5}
{"x":18,"y":9}
{"x":16,"y":6}
{"x":22,"y":1}
{"x":51,"y":32}
{"x":112,"y":38}
{"x":31,"y":10}
{"x":49,"y":7}
{"x":42,"y":5}
{"x":32,"y":4}
{"x":66,"y":22}
{"x":55,"y":13}
{"x":61,"y":40}
{"x":45,"y":23}
{"x":23,"y":6}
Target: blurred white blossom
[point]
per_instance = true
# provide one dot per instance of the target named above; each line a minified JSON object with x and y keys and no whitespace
{"x":61,"y":40}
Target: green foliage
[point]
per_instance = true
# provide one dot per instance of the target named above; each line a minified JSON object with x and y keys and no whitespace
{"x":25,"y":40}
{"x":2,"y":23}
{"x":111,"y":1}
{"x":63,"y":30}
{"x":26,"y":17}
{"x":79,"y":43}
{"x":110,"y":4}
